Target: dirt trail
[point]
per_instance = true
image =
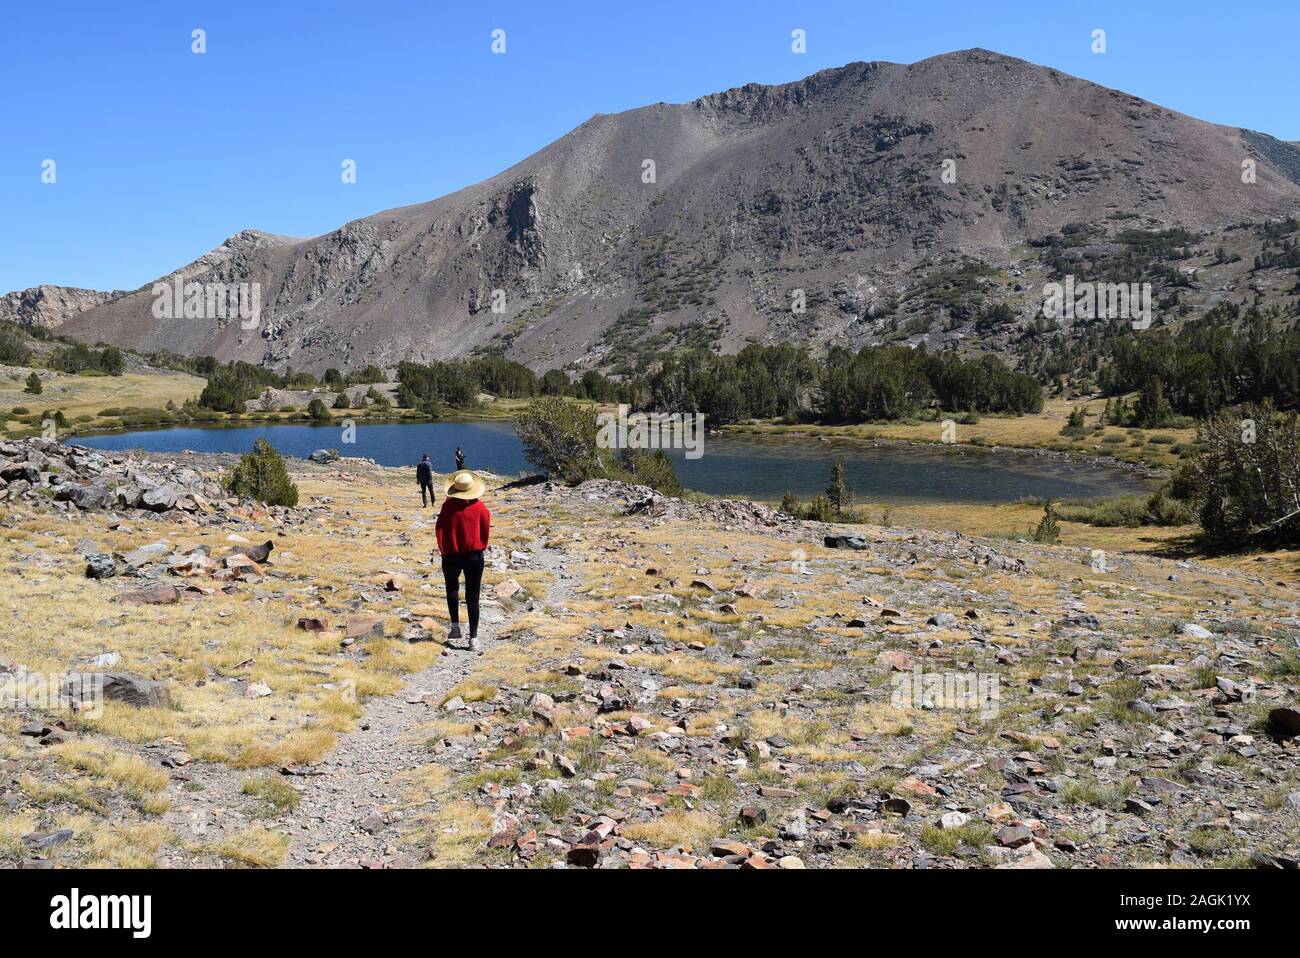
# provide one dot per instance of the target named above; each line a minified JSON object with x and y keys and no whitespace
{"x":349,"y":811}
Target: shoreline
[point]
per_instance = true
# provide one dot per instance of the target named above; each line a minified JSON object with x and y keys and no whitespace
{"x":997,"y":453}
{"x":1061,"y":455}
{"x":296,"y":421}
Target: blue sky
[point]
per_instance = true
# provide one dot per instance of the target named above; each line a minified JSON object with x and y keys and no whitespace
{"x":162,"y":153}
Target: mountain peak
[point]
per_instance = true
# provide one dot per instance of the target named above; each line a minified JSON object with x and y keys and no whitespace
{"x":830,"y":184}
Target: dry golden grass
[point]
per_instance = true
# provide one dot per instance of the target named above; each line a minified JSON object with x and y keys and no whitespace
{"x":255,"y":847}
{"x":456,"y":834}
{"x":302,"y":746}
{"x":12,"y":830}
{"x":120,"y":845}
{"x":80,"y":395}
{"x":76,"y":792}
{"x":198,"y":646}
{"x":1037,"y":431}
{"x":116,"y":770}
{"x":676,"y":828}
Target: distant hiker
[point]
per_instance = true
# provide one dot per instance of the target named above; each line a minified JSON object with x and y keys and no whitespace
{"x":463,"y":527}
{"x":424,"y":476}
{"x":460,"y":459}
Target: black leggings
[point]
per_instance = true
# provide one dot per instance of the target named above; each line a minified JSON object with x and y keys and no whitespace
{"x":471,"y":563}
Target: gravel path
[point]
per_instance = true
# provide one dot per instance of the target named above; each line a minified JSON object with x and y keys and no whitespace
{"x":350,"y":801}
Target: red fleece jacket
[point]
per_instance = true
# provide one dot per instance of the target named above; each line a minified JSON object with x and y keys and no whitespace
{"x":462,"y":526}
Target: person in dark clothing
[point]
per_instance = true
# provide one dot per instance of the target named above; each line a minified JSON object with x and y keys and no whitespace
{"x":463,"y":528}
{"x":424,"y":476}
{"x":460,"y":459}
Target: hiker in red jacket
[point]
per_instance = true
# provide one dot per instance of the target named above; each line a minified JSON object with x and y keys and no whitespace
{"x":463,"y":526}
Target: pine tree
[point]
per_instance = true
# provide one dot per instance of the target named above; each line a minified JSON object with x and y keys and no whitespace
{"x":838,"y":493}
{"x":1074,"y":422}
{"x":1049,"y":530}
{"x":34,"y":384}
{"x":1152,"y":408}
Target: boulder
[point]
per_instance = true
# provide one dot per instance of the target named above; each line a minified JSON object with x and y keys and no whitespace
{"x":258,"y":553}
{"x":138,"y":558}
{"x":154,"y":595}
{"x":88,"y":497}
{"x":21,"y":471}
{"x":158,"y":499}
{"x":100,"y":565}
{"x":843,"y":541}
{"x":118,"y":687}
{"x":364,"y":627}
{"x":1284,"y":722}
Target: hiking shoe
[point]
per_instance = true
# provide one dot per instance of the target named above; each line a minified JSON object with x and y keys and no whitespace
{"x":474,"y":644}
{"x":454,"y":632}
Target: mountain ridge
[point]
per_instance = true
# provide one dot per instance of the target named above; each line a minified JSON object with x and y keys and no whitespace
{"x":825,"y":183}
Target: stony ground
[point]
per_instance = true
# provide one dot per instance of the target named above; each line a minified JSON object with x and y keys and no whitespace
{"x":663,"y":684}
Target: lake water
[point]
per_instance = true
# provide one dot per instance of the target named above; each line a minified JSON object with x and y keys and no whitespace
{"x":754,"y":467}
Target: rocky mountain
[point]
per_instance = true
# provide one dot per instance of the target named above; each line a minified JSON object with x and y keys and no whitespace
{"x":698,"y":222}
{"x":50,"y":306}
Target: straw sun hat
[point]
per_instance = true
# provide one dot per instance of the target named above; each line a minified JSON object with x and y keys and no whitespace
{"x":466,"y":485}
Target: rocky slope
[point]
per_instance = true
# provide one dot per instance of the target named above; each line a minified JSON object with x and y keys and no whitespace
{"x":831,"y":184}
{"x":665,"y":684}
{"x":49,"y":307}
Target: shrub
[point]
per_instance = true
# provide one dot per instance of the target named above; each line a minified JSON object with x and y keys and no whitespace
{"x":79,"y":357}
{"x":317,"y":411}
{"x":1246,"y":478}
{"x":1049,"y":530}
{"x":819,"y":509}
{"x":261,"y":475}
{"x":1074,"y":422}
{"x":559,"y":438}
{"x":1128,"y":511}
{"x":653,"y":469}
{"x":13,"y":347}
{"x":367,"y":374}
{"x":1164,"y":509}
{"x":34,"y":386}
